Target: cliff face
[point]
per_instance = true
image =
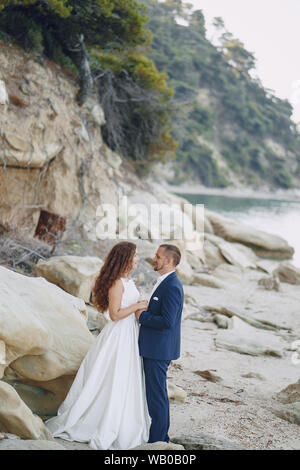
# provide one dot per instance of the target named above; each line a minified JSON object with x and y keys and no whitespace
{"x":52,"y":155}
{"x":268,"y":150}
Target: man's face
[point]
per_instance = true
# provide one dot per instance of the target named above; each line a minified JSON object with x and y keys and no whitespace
{"x":160,"y":260}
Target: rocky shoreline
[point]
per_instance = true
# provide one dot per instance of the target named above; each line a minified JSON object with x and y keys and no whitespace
{"x":240,"y":192}
{"x":241,"y":314}
{"x":240,"y":329}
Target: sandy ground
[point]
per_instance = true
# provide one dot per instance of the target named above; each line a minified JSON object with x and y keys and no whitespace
{"x":237,"y":409}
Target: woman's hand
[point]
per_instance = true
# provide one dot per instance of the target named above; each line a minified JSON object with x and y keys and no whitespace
{"x":142,"y":305}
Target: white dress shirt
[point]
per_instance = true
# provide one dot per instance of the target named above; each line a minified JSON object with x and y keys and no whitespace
{"x":159,"y":280}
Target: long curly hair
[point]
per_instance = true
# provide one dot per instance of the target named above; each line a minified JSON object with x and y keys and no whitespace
{"x":116,"y":264}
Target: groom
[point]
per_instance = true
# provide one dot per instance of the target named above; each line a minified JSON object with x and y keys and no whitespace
{"x":159,"y":338}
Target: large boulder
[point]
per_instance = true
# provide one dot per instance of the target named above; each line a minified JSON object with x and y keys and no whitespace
{"x":202,"y":441}
{"x":176,"y":393}
{"x":246,"y":339}
{"x":228,"y":272}
{"x":29,"y":444}
{"x":287,"y":272}
{"x":17,"y":418}
{"x":290,"y":394}
{"x":263,"y":244}
{"x":74,"y":274}
{"x":289,"y":397}
{"x":212,"y":254}
{"x":207,"y":280}
{"x":238,"y":254}
{"x":46,"y":337}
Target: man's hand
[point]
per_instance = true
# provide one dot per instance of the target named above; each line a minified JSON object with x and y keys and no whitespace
{"x":138,"y":312}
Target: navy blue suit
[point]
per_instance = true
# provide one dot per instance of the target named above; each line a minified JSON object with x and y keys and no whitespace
{"x":159,"y":343}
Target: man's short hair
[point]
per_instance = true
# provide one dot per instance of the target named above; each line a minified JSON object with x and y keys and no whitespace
{"x":172,"y":251}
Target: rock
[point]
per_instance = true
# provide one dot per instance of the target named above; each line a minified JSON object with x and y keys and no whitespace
{"x":96,"y":320}
{"x":25,"y":88}
{"x":17,"y":418}
{"x":222,"y":321}
{"x":212,"y":254}
{"x":256,"y":322}
{"x":253,"y":375}
{"x":54,"y":105}
{"x":195,"y":259}
{"x":262,"y":243}
{"x":245,"y":339}
{"x":270,"y":283}
{"x":184,"y":271}
{"x":208,"y":228}
{"x":175,"y":393}
{"x":16,"y":142}
{"x":190,"y":306}
{"x":227,"y":272}
{"x":159,"y":446}
{"x":74,"y":274}
{"x":208,"y":375}
{"x":289,"y":412}
{"x":235,"y":255}
{"x":26,"y":157}
{"x":290,"y":394}
{"x":98,"y":114}
{"x":3,"y":93}
{"x":288,"y":273}
{"x":207,"y":280}
{"x":42,"y":402}
{"x":113,"y":159}
{"x":2,"y":358}
{"x":290,"y":399}
{"x":266,"y":265}
{"x":29,"y":444}
{"x":203,"y":441}
{"x":45,"y":334}
{"x":80,"y":170}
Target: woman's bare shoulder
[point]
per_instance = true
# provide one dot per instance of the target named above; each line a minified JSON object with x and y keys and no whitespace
{"x":117,"y":286}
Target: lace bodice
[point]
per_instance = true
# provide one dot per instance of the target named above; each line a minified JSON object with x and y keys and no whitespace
{"x":131,"y":294}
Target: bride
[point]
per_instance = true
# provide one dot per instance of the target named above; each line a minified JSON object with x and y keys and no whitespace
{"x":106,"y":404}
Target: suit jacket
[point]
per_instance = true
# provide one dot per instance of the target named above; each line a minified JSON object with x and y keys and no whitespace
{"x":159,"y":336}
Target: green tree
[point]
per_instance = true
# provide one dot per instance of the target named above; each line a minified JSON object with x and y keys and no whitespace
{"x":76,"y":24}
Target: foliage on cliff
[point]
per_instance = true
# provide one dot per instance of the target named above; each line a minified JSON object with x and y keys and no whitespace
{"x":103,"y":42}
{"x":241,"y":114}
{"x":149,"y":63}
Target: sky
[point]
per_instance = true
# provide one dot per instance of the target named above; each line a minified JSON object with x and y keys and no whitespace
{"x":270,"y":29}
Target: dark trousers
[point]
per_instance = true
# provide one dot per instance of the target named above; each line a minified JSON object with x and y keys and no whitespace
{"x":157,"y":398}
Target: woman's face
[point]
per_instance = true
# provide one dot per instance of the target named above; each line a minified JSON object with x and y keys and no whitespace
{"x":135,"y":260}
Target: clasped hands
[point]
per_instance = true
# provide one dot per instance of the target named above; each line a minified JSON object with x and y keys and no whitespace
{"x":142,"y":305}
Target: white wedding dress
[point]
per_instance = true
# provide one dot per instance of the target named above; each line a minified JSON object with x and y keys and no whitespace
{"x":106,"y":404}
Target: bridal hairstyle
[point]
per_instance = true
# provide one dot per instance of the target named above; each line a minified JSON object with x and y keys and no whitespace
{"x":117,"y":263}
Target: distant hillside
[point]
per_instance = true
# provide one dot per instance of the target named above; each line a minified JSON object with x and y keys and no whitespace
{"x":229,"y":128}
